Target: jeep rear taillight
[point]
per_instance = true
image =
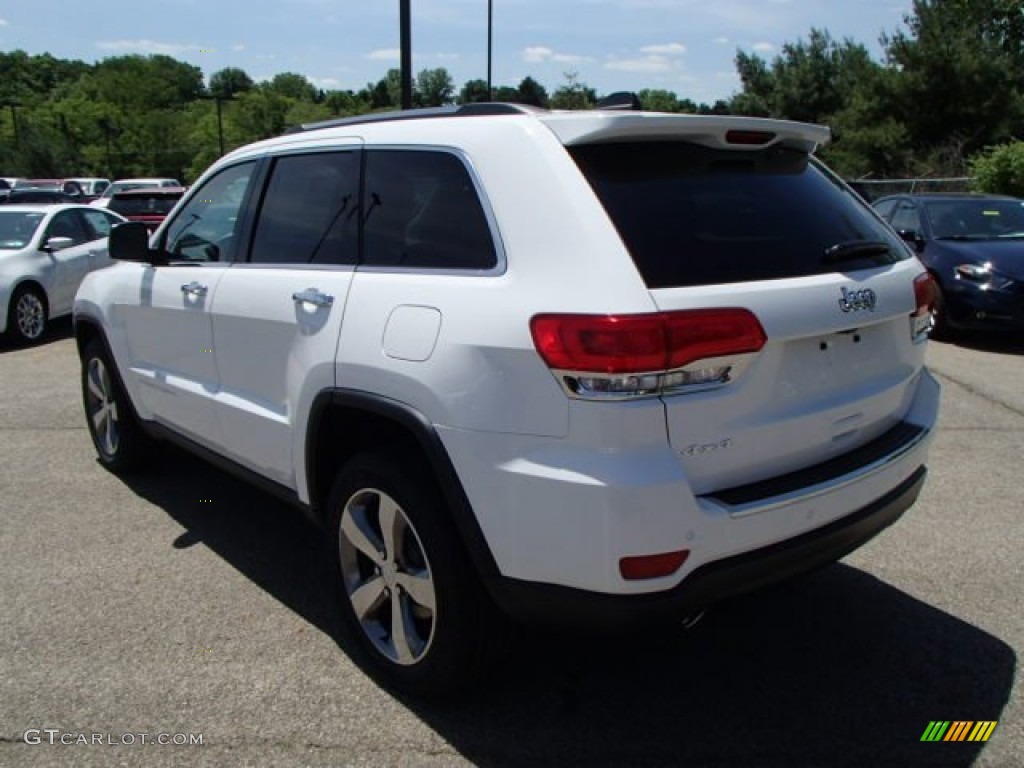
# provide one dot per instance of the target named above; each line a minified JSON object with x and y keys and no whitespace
{"x":621,"y":356}
{"x":925,"y":294}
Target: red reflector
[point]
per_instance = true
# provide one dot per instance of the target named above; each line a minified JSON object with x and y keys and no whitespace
{"x":644,"y":343}
{"x":652,"y":566}
{"x":755,"y":138}
{"x":925,"y":293}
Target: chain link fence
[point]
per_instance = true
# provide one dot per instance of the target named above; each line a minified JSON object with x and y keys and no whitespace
{"x":872,"y":189}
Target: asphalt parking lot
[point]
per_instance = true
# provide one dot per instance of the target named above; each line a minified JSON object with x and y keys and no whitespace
{"x":181,"y":602}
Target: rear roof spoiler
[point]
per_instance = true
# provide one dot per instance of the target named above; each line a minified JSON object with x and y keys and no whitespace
{"x":719,"y":131}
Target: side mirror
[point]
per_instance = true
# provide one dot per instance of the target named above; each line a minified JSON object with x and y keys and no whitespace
{"x":129,"y":241}
{"x":57,"y":244}
{"x":913,"y":237}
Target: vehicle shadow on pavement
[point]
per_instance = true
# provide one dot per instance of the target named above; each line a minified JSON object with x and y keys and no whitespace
{"x":58,"y":329}
{"x":835,"y":669}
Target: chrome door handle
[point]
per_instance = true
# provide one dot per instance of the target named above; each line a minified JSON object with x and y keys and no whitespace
{"x":194,"y":289}
{"x":313,"y":296}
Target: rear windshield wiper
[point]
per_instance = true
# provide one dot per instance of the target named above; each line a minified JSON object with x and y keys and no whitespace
{"x":856,"y":249}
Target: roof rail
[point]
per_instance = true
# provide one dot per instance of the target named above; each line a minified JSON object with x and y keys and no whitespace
{"x":462,"y":110}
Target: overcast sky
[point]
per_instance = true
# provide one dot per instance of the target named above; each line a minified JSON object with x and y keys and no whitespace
{"x":686,"y":46}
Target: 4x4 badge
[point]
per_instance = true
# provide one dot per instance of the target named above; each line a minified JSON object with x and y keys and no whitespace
{"x":853,"y":301}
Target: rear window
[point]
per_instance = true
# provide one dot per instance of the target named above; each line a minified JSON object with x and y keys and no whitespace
{"x":692,"y":215}
{"x":144,"y":205}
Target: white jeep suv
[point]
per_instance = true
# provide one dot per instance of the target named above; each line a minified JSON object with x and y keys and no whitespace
{"x":589,"y":366}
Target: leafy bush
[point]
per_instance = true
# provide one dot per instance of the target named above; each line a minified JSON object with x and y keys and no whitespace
{"x":1000,"y":170}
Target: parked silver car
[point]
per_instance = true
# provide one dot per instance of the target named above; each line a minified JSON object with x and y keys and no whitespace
{"x":45,"y":251}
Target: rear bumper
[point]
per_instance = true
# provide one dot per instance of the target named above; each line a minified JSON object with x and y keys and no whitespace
{"x":713,"y":581}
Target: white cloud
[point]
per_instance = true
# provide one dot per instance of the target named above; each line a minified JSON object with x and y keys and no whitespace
{"x":668,"y":49}
{"x":721,"y":40}
{"x":149,"y":46}
{"x":538,"y":54}
{"x":651,"y":64}
{"x":385,"y":54}
{"x":3,"y":22}
{"x":237,"y":47}
{"x":763,"y":47}
{"x":325,"y":82}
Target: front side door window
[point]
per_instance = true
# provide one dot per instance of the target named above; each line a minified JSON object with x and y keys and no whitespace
{"x":207,"y":229}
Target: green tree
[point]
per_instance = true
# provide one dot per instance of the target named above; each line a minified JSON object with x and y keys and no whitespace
{"x":658,"y":100}
{"x":292,"y":86}
{"x":228,"y":82}
{"x":474,"y":91}
{"x":531,"y":92}
{"x":433,"y":88}
{"x":959,"y":84}
{"x":573,"y":94}
{"x":999,"y":170}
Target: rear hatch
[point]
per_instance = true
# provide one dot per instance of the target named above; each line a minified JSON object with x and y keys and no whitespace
{"x":737,"y":216}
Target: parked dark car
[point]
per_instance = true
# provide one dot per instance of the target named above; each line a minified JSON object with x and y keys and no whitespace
{"x":149,"y":206}
{"x":38,"y":196}
{"x":974,"y":247}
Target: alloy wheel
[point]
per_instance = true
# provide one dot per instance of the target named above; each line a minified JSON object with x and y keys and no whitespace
{"x":30,"y":315}
{"x":102,"y":407}
{"x":387,"y":576}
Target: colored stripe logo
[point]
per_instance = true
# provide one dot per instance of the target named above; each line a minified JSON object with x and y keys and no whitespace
{"x":959,"y":730}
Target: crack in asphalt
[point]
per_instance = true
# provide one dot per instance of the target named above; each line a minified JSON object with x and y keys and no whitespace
{"x":971,"y":389}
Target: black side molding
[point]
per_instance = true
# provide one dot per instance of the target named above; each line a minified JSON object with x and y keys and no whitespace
{"x":427,"y":439}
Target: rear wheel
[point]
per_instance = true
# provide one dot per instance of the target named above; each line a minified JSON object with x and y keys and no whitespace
{"x":120,"y":443}
{"x":26,"y":317}
{"x":411,"y":606}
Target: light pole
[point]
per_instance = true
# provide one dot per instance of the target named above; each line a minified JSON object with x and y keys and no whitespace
{"x":490,"y":46}
{"x":405,"y":64}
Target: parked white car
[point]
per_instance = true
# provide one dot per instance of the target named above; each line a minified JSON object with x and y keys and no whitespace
{"x":45,"y":251}
{"x":572,"y":365}
{"x":122,"y":185}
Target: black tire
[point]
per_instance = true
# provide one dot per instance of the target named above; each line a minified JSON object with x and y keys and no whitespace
{"x":27,"y":315}
{"x":940,"y":321}
{"x":120,"y":442}
{"x":440,"y":649}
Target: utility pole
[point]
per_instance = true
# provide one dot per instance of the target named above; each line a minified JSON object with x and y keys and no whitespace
{"x":405,"y":36}
{"x":490,"y":46}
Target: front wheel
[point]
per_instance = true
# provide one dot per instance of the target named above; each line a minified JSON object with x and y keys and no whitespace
{"x":27,"y":316}
{"x":120,"y":443}
{"x":411,"y":605}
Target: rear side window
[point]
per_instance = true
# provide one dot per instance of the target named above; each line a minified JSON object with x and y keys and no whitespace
{"x":693,"y":215}
{"x":309,"y":211}
{"x":422,"y":210}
